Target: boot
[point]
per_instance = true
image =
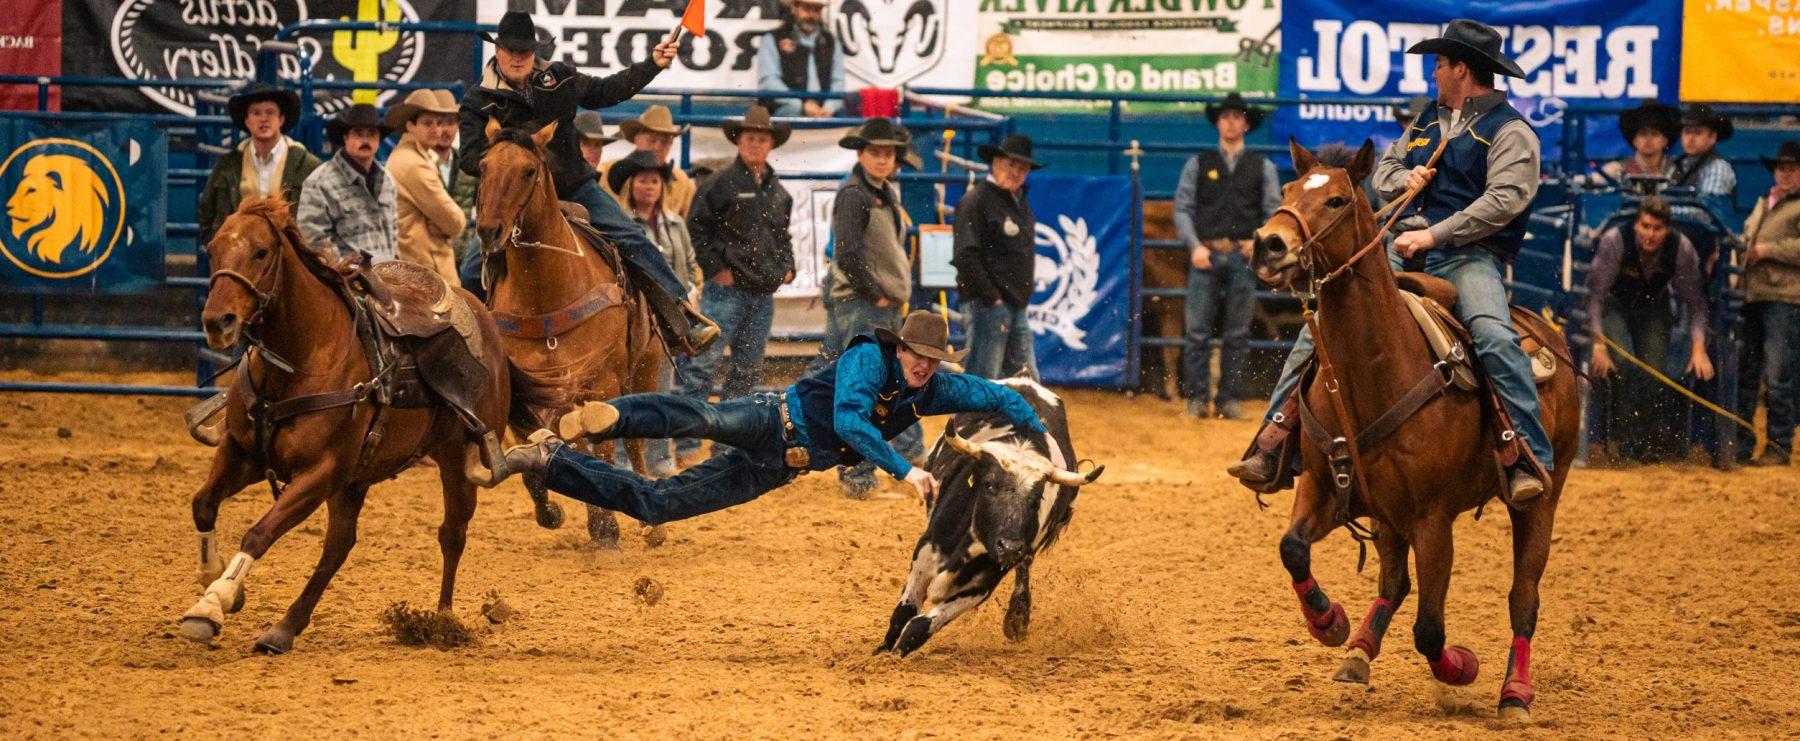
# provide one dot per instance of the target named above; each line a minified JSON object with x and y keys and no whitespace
{"x":1524,"y":484}
{"x":530,"y":458}
{"x":1261,"y":468}
{"x":591,"y":421}
{"x":701,"y":331}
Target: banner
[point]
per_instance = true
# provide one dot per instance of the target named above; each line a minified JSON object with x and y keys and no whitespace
{"x":1573,"y":52}
{"x":885,"y":43}
{"x":84,"y":206}
{"x":187,"y":39}
{"x":1741,"y":51}
{"x":30,"y":44}
{"x":1199,"y":47}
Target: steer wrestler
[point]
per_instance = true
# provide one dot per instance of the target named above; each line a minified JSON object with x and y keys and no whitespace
{"x":841,"y":415}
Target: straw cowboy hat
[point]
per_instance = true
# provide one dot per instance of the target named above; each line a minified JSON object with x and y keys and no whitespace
{"x":517,"y":32}
{"x":1471,"y":43}
{"x":289,"y":102}
{"x":359,"y":116}
{"x":1788,"y":154}
{"x":1650,"y":115}
{"x":417,"y":102}
{"x":655,"y":119}
{"x":1701,"y":114}
{"x":589,"y":126}
{"x":638,"y":161}
{"x":926,"y":334}
{"x":1016,"y":146}
{"x":1253,"y":117}
{"x":757,"y":119}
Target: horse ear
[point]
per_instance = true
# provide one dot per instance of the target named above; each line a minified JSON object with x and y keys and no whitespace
{"x":493,"y":127}
{"x":1303,"y":160}
{"x":543,"y":135}
{"x":1364,"y":162}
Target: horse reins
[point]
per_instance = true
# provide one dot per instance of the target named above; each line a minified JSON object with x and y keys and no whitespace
{"x":512,"y":237}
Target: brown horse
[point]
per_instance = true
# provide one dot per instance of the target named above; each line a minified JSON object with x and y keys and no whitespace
{"x":1436,"y":464}
{"x":324,"y":428}
{"x":563,"y":310}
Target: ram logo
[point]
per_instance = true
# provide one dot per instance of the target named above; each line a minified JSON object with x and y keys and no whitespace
{"x":888,"y":43}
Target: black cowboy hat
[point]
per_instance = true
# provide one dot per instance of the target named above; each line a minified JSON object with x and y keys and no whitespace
{"x":1015,"y":146}
{"x":877,"y":131}
{"x":924,"y":333}
{"x":638,"y":161}
{"x":1701,"y":114}
{"x":757,"y":119}
{"x":1234,"y":102}
{"x":1788,"y":154}
{"x":517,"y":32}
{"x":1650,"y":114}
{"x":239,"y":105}
{"x":1471,"y":43}
{"x":359,"y":116}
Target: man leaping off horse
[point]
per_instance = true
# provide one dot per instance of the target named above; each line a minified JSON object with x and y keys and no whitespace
{"x":1468,"y":221}
{"x":519,"y":90}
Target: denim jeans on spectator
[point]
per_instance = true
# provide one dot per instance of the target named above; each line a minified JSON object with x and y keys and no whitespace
{"x":1227,"y":289}
{"x":744,"y":319}
{"x":831,"y":344}
{"x":1644,"y":417}
{"x":856,"y":316}
{"x":469,"y":272}
{"x":999,"y":341}
{"x":606,"y":215}
{"x":1770,"y":362}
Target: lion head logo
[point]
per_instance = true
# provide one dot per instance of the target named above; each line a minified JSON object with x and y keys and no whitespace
{"x":61,"y":203}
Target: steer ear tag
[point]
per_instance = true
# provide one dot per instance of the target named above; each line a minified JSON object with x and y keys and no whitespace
{"x":1010,"y":227}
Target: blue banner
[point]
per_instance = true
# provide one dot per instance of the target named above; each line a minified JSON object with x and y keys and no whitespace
{"x":84,"y":206}
{"x":1575,"y":53}
{"x":1080,"y":313}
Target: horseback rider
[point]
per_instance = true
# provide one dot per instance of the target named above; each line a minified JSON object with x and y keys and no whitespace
{"x":1468,"y":221}
{"x":518,"y":89}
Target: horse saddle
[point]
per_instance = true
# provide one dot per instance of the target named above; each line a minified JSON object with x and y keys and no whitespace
{"x":1430,"y":300}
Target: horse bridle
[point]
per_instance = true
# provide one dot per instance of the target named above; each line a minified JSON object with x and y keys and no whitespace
{"x":512,"y":235}
{"x":271,"y":275}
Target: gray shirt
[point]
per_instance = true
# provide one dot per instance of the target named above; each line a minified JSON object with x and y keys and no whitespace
{"x":1190,"y":177}
{"x":1512,"y":179}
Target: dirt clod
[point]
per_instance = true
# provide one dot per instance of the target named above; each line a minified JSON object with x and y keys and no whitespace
{"x":648,"y":591}
{"x":417,"y":627}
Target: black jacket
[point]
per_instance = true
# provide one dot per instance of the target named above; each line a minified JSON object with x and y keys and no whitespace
{"x":992,"y":264}
{"x":557,"y":92}
{"x":739,"y":224}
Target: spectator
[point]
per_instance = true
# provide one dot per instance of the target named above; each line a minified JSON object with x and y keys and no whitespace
{"x":347,"y":204}
{"x":1224,"y":194}
{"x":266,"y":164}
{"x":741,"y":241}
{"x":642,"y":180}
{"x":1650,"y":128}
{"x":1701,"y":167}
{"x":593,"y":139}
{"x":1630,"y":282}
{"x":995,"y":256}
{"x":1771,"y":332}
{"x":428,"y":217}
{"x":462,"y":186}
{"x":800,"y":55}
{"x":655,"y":132}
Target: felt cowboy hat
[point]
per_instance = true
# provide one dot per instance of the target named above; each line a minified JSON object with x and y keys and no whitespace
{"x":517,"y":32}
{"x":757,"y":119}
{"x":289,"y":102}
{"x":1471,"y":43}
{"x":359,"y":116}
{"x":1788,"y":154}
{"x":925,"y":334}
{"x":638,"y":161}
{"x":1016,"y":146}
{"x":1701,"y":114}
{"x":589,"y":126}
{"x":1234,"y":102}
{"x":1650,"y":114}
{"x":417,"y":102}
{"x":881,"y":131}
{"x":655,"y":119}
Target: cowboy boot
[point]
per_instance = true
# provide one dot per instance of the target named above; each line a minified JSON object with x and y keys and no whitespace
{"x":1526,"y":478}
{"x":531,"y":458}
{"x":590,"y":421}
{"x":701,"y":331}
{"x":1260,"y":470}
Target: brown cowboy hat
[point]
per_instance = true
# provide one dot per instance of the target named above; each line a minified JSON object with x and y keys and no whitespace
{"x":757,"y":119}
{"x":289,"y":102}
{"x":926,"y":334}
{"x":656,"y":119}
{"x":417,"y":102}
{"x":638,"y":161}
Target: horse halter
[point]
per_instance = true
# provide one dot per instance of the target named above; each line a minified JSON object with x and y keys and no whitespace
{"x":271,"y":275}
{"x":513,"y":233}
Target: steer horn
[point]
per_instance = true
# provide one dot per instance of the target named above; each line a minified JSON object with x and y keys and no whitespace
{"x":1071,"y":478}
{"x":961,"y":444}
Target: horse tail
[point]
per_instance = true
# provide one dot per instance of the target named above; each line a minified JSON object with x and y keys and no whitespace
{"x":534,"y":394}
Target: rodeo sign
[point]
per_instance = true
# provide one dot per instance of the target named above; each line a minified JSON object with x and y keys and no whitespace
{"x":84,"y":207}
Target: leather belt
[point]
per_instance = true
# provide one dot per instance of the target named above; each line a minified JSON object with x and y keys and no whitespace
{"x":796,"y":455}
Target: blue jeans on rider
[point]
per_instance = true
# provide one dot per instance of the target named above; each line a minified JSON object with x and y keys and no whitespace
{"x":753,"y":465}
{"x":606,"y":215}
{"x":1227,"y":289}
{"x":999,"y":341}
{"x":1481,"y":305}
{"x":469,"y":274}
{"x":855,"y":316}
{"x":744,"y":319}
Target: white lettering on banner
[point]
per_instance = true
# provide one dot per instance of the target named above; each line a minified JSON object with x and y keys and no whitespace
{"x":1561,"y":61}
{"x":18,"y":42}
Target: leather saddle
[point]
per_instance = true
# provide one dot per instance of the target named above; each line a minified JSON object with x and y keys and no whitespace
{"x":1432,"y":300}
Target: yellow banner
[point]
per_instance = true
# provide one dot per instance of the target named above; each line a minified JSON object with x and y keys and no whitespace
{"x":1742,"y":51}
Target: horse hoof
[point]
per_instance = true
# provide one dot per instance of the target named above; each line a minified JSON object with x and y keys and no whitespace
{"x":199,"y":630}
{"x":1515,"y":714}
{"x":1016,"y":626}
{"x":1457,"y":667}
{"x":1354,"y":669}
{"x":654,"y":536}
{"x":275,"y":642}
{"x":1335,"y":631}
{"x":603,"y":528}
{"x":550,"y":516}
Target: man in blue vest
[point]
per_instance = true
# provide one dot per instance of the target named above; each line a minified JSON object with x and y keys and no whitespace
{"x":1468,"y":222}
{"x":841,"y":415}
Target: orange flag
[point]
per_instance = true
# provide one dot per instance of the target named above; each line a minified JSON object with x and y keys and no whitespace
{"x":694,"y":19}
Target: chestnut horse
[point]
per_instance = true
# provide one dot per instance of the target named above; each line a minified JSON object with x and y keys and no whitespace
{"x":1436,"y":464}
{"x":598,"y":348}
{"x":333,"y":437}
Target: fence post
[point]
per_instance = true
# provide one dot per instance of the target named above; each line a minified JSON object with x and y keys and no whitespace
{"x":1135,"y":333}
{"x":1115,"y":128}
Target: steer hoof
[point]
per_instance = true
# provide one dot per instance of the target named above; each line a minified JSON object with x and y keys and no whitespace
{"x":275,"y":641}
{"x":1336,"y":629}
{"x":917,"y":631}
{"x":199,"y":629}
{"x":1017,"y":626}
{"x":1456,"y":667}
{"x":1354,"y":669}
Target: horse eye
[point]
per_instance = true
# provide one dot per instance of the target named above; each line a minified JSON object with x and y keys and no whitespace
{"x":261,"y":252}
{"x":1336,"y":202}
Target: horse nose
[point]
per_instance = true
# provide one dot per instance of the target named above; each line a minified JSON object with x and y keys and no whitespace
{"x":488,"y":234}
{"x":221,"y":324}
{"x":1272,"y":245}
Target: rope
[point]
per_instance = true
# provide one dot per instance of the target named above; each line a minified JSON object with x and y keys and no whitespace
{"x":1671,"y":383}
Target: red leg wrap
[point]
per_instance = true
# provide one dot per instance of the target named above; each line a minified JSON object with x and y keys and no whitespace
{"x":1374,"y":625}
{"x":1517,"y":689}
{"x":1456,"y":666}
{"x":1329,"y":625}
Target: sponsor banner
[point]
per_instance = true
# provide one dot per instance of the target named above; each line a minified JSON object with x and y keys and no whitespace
{"x":30,"y":44}
{"x":1204,"y":47}
{"x":1741,"y":51}
{"x":84,"y":206}
{"x":1574,"y":53}
{"x":884,"y":43}
{"x":218,"y":39}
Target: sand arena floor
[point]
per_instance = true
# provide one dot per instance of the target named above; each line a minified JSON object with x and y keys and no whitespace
{"x":1668,"y":609}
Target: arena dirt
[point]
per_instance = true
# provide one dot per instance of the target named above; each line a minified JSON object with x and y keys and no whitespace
{"x":1668,"y":609}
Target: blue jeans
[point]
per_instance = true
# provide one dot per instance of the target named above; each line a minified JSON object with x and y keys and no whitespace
{"x":469,"y":272}
{"x":831,"y":345}
{"x":1228,"y":289}
{"x":856,"y":316}
{"x":1770,"y":363}
{"x":999,"y":341}
{"x":751,"y":467}
{"x":744,"y":319}
{"x":606,"y":215}
{"x":1482,"y":307}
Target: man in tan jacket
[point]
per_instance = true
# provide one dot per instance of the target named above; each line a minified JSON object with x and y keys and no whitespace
{"x":1771,"y":332}
{"x":655,"y":132}
{"x":429,"y":219}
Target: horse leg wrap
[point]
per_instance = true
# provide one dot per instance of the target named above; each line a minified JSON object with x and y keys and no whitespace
{"x":222,"y":592}
{"x":1456,"y":666}
{"x":212,"y":563}
{"x":1516,"y":692}
{"x":1374,"y":626}
{"x":1325,"y":619}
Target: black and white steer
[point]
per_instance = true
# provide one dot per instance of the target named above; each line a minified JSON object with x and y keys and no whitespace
{"x":1004,"y":495}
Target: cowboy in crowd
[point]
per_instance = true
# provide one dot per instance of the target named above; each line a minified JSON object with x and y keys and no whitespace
{"x":1223,"y":195}
{"x":1701,"y":167}
{"x":1649,"y":128}
{"x":655,"y":132}
{"x":1771,"y":330}
{"x":347,"y":204}
{"x":995,"y":253}
{"x":593,"y":139}
{"x":429,"y":218}
{"x":268,"y":164}
{"x":517,"y":89}
{"x":800,"y":55}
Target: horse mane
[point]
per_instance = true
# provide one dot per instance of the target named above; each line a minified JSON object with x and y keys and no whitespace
{"x":1335,"y":154}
